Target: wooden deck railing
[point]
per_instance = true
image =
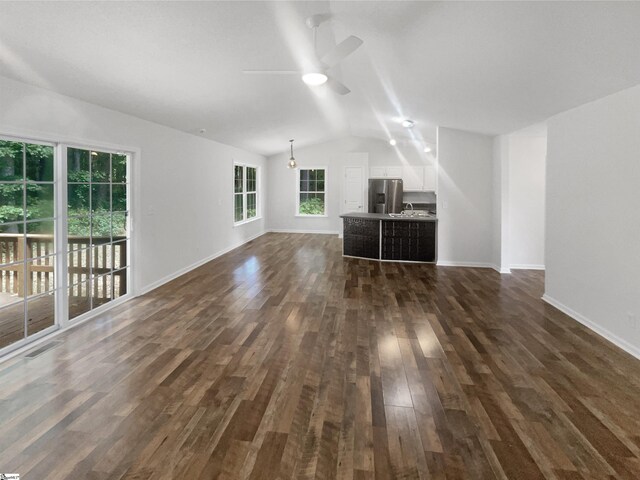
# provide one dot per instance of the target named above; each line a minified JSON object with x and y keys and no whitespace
{"x":38,"y":276}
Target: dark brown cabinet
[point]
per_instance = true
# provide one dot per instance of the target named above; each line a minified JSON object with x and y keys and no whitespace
{"x":410,"y":241}
{"x":361,"y":238}
{"x":379,"y":238}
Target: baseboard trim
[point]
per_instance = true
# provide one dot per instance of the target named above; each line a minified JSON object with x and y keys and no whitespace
{"x":446,"y":263}
{"x":527,"y":267}
{"x":287,"y":230}
{"x":193,"y":266}
{"x":603,"y":332}
{"x":501,"y":270}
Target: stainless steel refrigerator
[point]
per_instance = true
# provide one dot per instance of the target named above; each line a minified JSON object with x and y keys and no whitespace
{"x":385,"y":195}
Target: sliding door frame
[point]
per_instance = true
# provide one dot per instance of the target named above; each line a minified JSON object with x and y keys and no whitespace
{"x":60,"y":144}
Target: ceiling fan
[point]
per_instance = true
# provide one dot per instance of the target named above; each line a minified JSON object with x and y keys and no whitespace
{"x":317,"y":74}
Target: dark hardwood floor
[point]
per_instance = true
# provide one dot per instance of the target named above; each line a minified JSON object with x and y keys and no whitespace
{"x":284,"y":360}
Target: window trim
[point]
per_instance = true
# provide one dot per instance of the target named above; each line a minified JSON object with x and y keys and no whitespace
{"x":325,"y":191}
{"x":244,"y":193}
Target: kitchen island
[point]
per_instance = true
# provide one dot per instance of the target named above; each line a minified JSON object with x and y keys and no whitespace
{"x":380,"y":236}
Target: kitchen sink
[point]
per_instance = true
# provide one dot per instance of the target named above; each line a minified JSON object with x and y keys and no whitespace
{"x":411,"y":214}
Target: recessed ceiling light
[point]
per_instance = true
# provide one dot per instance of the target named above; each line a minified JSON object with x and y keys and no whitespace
{"x":408,"y":123}
{"x":314,"y":78}
{"x":427,"y":149}
{"x":393,"y":142}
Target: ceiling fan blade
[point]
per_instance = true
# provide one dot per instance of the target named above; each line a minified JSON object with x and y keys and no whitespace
{"x":272,"y":72}
{"x":342,"y":50}
{"x":337,"y":86}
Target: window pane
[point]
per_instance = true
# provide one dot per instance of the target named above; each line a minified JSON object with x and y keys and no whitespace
{"x":320,"y":186}
{"x":9,"y":245}
{"x":312,"y":185}
{"x":40,"y":313}
{"x":11,"y":324}
{"x":238,"y":179}
{"x":100,"y":197}
{"x":304,"y":185}
{"x":39,"y":201}
{"x":120,"y":283}
{"x":119,"y":198}
{"x":77,"y":165}
{"x":78,"y":198}
{"x":11,"y":161}
{"x":251,"y":179}
{"x":251,"y":205}
{"x":10,"y":290}
{"x":78,"y":230}
{"x":102,"y":291}
{"x":320,"y":174}
{"x":118,"y":168}
{"x":79,"y":263}
{"x":304,"y":175}
{"x":312,"y":204}
{"x":119,"y":255}
{"x":100,"y":165}
{"x":238,"y":208}
{"x":40,"y":239}
{"x":39,"y":163}
{"x":101,"y":259}
{"x":318,"y":200}
{"x":11,"y":202}
{"x":312,"y":174}
{"x":79,"y":299}
{"x":101,"y":227}
{"x":44,"y":227}
{"x":40,"y":274}
{"x":119,"y":228}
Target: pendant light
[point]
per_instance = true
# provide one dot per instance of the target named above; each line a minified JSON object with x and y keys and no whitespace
{"x":292,"y":161}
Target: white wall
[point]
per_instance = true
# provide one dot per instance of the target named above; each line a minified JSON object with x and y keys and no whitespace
{"x":519,"y":199}
{"x":593,"y":219}
{"x":182,"y":193}
{"x":500,"y":235}
{"x":526,"y":204}
{"x":465,"y":198}
{"x":281,"y":182}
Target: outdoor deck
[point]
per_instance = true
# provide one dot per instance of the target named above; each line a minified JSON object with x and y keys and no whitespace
{"x":27,"y":266}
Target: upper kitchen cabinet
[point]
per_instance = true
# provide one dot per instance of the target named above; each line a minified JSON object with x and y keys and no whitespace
{"x":430,"y":179}
{"x":412,"y":178}
{"x":419,"y":179}
{"x":385,"y":172}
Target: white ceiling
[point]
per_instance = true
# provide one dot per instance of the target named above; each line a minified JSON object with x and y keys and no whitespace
{"x":490,"y":67}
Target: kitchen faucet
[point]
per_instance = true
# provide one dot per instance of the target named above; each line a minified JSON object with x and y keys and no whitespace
{"x":409,"y":204}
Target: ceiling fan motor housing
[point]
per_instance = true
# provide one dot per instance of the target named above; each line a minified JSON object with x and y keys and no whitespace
{"x":314,"y":21}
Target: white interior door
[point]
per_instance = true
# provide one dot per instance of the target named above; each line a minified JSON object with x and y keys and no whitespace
{"x":353,"y":190}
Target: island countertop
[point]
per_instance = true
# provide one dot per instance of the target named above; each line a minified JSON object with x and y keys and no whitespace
{"x":386,"y":216}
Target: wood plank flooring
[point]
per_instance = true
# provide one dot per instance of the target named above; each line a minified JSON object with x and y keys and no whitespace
{"x":283,"y":360}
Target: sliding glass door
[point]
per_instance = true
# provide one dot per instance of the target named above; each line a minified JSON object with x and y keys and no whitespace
{"x":42,"y":283}
{"x":97,"y":228}
{"x":27,"y":244}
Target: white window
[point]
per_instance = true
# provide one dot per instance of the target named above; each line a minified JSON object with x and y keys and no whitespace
{"x":245,"y":193}
{"x":311,"y":192}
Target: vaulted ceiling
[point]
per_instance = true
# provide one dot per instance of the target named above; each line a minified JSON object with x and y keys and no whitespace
{"x":490,"y":67}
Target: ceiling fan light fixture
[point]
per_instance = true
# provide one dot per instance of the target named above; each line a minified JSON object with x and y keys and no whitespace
{"x":314,"y":79}
{"x":427,"y":149}
{"x":393,"y":142}
{"x":408,"y":123}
